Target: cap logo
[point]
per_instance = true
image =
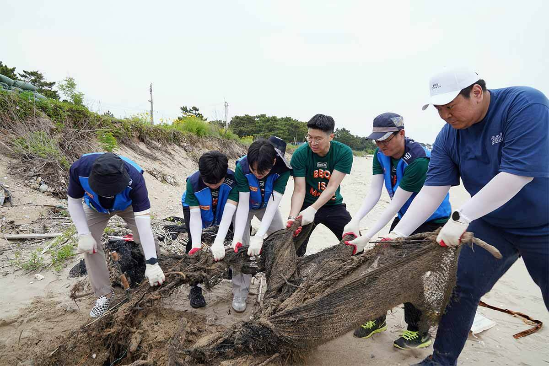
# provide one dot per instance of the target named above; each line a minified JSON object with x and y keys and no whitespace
{"x":436,"y":86}
{"x":397,"y":121}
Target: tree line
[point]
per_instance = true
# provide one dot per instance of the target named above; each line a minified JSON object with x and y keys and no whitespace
{"x":291,"y":130}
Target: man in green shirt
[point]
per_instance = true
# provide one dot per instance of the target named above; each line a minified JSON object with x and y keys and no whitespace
{"x":318,"y":168}
{"x":261,"y":178}
{"x":400,"y":164}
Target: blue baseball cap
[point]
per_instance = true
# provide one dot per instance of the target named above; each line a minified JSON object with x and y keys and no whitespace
{"x":384,"y":125}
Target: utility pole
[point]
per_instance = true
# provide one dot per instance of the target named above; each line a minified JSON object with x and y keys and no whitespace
{"x":226,"y":105}
{"x":151,"y":101}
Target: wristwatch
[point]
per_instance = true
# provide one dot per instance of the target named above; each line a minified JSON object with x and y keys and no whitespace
{"x":455,"y":216}
{"x":151,"y":260}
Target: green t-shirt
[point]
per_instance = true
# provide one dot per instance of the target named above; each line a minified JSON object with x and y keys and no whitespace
{"x":278,"y":186}
{"x":317,"y":170}
{"x":192,"y":201}
{"x":413,"y":176}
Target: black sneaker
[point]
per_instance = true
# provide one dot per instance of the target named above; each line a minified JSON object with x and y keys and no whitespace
{"x":410,"y":339}
{"x":428,"y":361}
{"x":195,"y":297}
{"x":371,"y":327}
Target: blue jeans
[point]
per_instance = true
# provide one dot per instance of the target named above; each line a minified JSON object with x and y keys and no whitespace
{"x":477,"y":273}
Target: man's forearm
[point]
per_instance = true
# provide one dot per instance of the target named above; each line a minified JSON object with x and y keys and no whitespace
{"x":324,"y":198}
{"x":296,"y":202}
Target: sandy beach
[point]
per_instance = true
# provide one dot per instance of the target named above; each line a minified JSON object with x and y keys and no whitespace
{"x":30,"y":309}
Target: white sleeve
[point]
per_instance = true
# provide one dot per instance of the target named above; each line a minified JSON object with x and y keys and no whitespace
{"x":143,"y":223}
{"x":228,"y":211}
{"x":399,"y":198}
{"x":371,"y":199}
{"x":195,"y":226}
{"x":424,"y":205}
{"x":76,"y":211}
{"x":242,"y":214}
{"x":503,"y":187}
{"x":269,"y":213}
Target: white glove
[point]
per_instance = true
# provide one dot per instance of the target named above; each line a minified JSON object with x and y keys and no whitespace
{"x":360,"y":244}
{"x":154,"y":274}
{"x":391,"y":236}
{"x":87,"y":244}
{"x":218,"y":250}
{"x":352,"y":228}
{"x":255,"y":246}
{"x":452,"y":231}
{"x":236,"y":244}
{"x":308,"y":215}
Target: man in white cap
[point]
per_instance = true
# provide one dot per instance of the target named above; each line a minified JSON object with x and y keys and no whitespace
{"x":496,"y":141}
{"x":110,"y":185}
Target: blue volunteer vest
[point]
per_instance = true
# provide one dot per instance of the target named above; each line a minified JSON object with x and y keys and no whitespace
{"x":257,"y":201}
{"x":413,"y":150}
{"x":122,"y":200}
{"x":204,"y":196}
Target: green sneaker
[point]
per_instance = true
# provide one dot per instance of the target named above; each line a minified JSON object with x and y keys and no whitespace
{"x":410,"y":339}
{"x":371,"y":327}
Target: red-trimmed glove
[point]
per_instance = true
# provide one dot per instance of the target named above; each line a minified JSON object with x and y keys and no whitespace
{"x":391,"y":236}
{"x":452,"y":231}
{"x":194,"y":250}
{"x":359,"y":244}
{"x":237,"y":243}
{"x":87,"y":244}
{"x":154,"y":274}
{"x":290,"y":222}
{"x":352,"y":228}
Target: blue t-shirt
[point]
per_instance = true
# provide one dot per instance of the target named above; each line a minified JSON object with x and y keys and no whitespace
{"x":512,"y":138}
{"x":82,"y":168}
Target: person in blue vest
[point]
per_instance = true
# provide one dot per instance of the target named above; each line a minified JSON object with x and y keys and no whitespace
{"x":110,"y":185}
{"x":400,"y":164}
{"x":262,"y":176}
{"x":496,"y":141}
{"x":210,"y":198}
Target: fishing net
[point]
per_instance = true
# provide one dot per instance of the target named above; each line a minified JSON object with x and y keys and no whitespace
{"x":307,"y":300}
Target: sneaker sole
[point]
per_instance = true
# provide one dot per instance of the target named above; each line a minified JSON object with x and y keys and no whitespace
{"x":421,"y":345}
{"x":379,"y":330}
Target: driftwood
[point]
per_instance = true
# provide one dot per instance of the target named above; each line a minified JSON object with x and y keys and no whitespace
{"x":30,"y":236}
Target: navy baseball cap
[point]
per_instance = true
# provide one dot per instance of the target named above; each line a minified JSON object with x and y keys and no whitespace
{"x":384,"y":125}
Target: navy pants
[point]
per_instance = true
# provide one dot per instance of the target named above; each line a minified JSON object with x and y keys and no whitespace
{"x":477,"y":273}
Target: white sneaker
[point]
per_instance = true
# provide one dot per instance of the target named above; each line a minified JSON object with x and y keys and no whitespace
{"x":101,"y":305}
{"x":239,"y":304}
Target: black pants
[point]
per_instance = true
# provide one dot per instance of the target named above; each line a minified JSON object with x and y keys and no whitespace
{"x":412,"y":314}
{"x":335,"y":217}
{"x":187,"y":219}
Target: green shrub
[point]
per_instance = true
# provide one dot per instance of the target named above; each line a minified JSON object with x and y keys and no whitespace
{"x":246,"y":140}
{"x":60,"y":256}
{"x":194,"y":125}
{"x":35,"y":262}
{"x":106,"y":140}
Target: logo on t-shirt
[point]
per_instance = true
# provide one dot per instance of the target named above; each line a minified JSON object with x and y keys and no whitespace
{"x":228,"y":181}
{"x":322,"y":164}
{"x":496,"y":139}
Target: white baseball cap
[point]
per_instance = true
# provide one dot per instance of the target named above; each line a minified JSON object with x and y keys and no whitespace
{"x":445,"y":86}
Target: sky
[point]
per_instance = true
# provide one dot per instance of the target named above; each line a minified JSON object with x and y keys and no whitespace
{"x":349,"y":59}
